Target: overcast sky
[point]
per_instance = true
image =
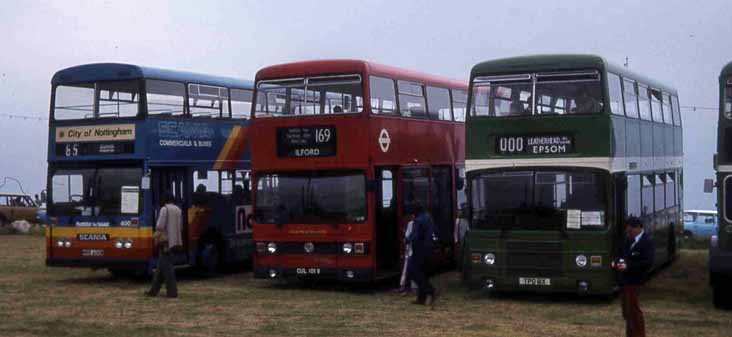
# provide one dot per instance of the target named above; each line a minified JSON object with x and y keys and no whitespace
{"x":679,"y":42}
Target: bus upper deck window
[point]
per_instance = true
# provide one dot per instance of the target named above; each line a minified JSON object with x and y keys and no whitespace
{"x":165,"y":98}
{"x":572,"y":92}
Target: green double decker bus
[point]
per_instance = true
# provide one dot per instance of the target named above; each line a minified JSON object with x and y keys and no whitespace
{"x":720,"y":252}
{"x":560,"y":149}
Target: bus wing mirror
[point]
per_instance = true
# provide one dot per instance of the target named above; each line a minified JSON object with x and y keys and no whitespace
{"x":708,"y":185}
{"x":714,"y":162}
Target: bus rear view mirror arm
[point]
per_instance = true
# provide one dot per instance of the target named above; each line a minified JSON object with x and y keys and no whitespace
{"x":709,"y":185}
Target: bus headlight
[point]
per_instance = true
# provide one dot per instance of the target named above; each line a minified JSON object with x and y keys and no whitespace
{"x":272,"y":248}
{"x":60,"y":243}
{"x":347,"y":248}
{"x":309,"y":247}
{"x":128,"y":244}
{"x":118,"y":244}
{"x":67,"y":243}
{"x":489,"y":259}
{"x":581,"y":261}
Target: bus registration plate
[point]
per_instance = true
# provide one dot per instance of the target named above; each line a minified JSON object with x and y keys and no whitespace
{"x":534,"y":281}
{"x":308,"y":271}
{"x":92,"y":252}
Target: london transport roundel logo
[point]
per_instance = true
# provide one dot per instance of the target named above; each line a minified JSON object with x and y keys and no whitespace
{"x":384,"y":140}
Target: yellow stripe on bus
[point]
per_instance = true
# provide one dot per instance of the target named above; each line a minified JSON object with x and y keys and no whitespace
{"x":126,"y":232}
{"x":227,"y":147}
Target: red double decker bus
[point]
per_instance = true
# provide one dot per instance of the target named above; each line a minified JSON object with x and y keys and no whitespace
{"x":341,"y":151}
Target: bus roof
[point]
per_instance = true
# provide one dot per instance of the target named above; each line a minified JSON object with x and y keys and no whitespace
{"x":726,"y":70}
{"x":119,"y":71}
{"x":554,"y":62}
{"x":342,"y":66}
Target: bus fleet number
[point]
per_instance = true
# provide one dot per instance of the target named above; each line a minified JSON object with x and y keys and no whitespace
{"x":72,"y":150}
{"x":322,"y":135}
{"x":511,"y":144}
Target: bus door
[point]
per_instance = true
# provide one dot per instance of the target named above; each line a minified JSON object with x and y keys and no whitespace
{"x":175,"y":180}
{"x":414,"y":187}
{"x":387,"y":221}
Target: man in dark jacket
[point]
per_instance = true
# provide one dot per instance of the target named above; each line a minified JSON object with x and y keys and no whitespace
{"x":635,"y":262}
{"x":422,"y":246}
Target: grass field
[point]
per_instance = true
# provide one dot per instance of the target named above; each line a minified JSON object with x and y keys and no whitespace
{"x":38,"y":301}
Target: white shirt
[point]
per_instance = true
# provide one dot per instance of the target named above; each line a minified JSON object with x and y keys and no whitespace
{"x":408,"y":250}
{"x":169,"y":223}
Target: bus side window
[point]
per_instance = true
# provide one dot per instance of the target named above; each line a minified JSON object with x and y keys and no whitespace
{"x":459,"y":105}
{"x":630,"y":98}
{"x":165,"y":98}
{"x":412,"y":102}
{"x":647,"y":198}
{"x":383,"y":95}
{"x":241,"y":103}
{"x":206,"y":186}
{"x":616,"y":95}
{"x":670,"y":190}
{"x":439,"y":103}
{"x":241,"y":193}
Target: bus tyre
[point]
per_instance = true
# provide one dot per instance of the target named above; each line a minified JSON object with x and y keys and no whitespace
{"x":672,"y":251}
{"x":3,"y":222}
{"x":721,"y":297}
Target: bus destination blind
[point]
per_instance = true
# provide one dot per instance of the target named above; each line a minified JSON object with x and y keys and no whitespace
{"x":534,"y":145}
{"x":306,"y":141}
{"x":95,"y":148}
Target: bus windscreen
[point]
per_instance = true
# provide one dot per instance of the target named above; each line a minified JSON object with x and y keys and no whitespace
{"x":556,"y":93}
{"x":114,"y":99}
{"x":543,"y":200}
{"x":319,"y":95}
{"x":311,"y":198}
{"x":94,"y":192}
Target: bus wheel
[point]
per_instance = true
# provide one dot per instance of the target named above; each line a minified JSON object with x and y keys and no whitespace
{"x":688,"y":235}
{"x":672,"y":250}
{"x":3,"y":222}
{"x":721,"y":297}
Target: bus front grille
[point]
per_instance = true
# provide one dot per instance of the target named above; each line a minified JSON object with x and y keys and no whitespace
{"x":534,"y":258}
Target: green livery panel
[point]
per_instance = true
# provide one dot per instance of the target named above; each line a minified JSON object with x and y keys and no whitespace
{"x":560,"y":149}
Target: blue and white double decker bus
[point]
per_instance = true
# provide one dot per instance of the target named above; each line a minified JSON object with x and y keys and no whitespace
{"x":119,"y":136}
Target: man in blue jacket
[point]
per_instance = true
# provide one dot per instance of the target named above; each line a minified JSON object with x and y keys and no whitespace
{"x":636,"y":260}
{"x":422,"y":246}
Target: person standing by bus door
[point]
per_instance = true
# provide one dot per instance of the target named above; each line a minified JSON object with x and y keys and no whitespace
{"x":636,"y":260}
{"x":422,"y":246}
{"x":461,"y":228}
{"x":406,"y":284}
{"x":167,"y":239}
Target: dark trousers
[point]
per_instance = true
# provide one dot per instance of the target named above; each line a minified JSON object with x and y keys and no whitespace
{"x":635,"y":326}
{"x":164,"y":273}
{"x":418,"y":267}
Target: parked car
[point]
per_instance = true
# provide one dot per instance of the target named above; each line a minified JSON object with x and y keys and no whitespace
{"x":700,"y":223}
{"x":16,"y":207}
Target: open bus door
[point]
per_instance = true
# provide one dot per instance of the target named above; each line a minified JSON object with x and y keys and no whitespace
{"x":389,"y":251}
{"x":175,"y":180}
